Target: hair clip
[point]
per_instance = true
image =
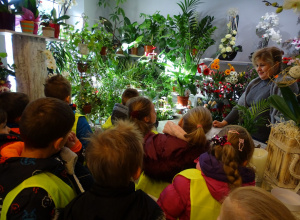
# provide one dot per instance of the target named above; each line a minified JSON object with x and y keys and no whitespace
{"x":227,"y":143}
{"x":134,"y":114}
{"x":241,"y":144}
{"x":216,"y":140}
{"x":233,"y":131}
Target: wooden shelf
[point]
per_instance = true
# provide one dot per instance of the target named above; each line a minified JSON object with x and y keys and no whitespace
{"x":11,"y":33}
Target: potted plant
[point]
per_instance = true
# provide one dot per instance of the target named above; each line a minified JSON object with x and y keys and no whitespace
{"x":51,"y":20}
{"x":4,"y":73}
{"x":7,"y":16}
{"x":30,"y":15}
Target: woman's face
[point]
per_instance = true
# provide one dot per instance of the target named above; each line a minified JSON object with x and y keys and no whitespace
{"x":152,"y":114}
{"x":264,"y":69}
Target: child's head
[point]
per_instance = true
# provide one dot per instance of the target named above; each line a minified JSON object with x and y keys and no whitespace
{"x":141,"y":110}
{"x":234,"y":147}
{"x":3,"y":119}
{"x":44,"y":121}
{"x":251,"y":202}
{"x":58,"y":87}
{"x":128,"y":94}
{"x":196,"y":123}
{"x":13,"y":103}
{"x":115,"y":156}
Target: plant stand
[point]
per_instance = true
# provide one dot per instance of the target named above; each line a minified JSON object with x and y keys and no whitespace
{"x":31,"y":71}
{"x":283,"y":164}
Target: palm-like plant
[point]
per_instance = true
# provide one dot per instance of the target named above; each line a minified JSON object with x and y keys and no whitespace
{"x":251,"y":119}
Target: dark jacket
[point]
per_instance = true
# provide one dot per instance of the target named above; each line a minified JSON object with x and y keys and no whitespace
{"x":7,"y":139}
{"x":112,"y":204}
{"x":166,"y":155}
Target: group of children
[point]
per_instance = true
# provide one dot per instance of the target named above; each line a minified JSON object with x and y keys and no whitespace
{"x":131,"y":172}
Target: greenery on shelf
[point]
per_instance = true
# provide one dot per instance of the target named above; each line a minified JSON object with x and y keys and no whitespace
{"x":52,"y":18}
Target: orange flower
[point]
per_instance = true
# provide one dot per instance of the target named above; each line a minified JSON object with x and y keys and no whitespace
{"x":232,"y":68}
{"x":213,"y":66}
{"x":216,"y":61}
{"x":276,"y":76}
{"x":217,"y":66}
{"x":227,"y":72}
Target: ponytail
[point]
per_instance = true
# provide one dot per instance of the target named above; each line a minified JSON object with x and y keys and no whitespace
{"x":196,"y":123}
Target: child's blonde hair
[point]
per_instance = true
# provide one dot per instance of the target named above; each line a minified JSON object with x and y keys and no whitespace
{"x":234,"y":152}
{"x":139,"y":108}
{"x":196,"y":123}
{"x":253,"y":203}
{"x":115,"y":155}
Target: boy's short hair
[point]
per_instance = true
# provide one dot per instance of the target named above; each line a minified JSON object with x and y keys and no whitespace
{"x":14,"y":104}
{"x":115,"y":155}
{"x":3,"y":116}
{"x":57,"y":87}
{"x":45,"y":120}
{"x":128,"y":94}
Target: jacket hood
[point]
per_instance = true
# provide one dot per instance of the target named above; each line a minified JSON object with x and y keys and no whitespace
{"x":216,"y":179}
{"x":119,"y":112}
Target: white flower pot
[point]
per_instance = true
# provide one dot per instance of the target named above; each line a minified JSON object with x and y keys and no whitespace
{"x":48,"y":32}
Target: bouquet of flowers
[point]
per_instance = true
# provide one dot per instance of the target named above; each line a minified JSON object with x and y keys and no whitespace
{"x":4,"y":73}
{"x":227,"y":44}
{"x":267,"y":29}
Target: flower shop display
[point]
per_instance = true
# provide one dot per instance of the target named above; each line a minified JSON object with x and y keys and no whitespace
{"x":267,"y":29}
{"x":30,"y":16}
{"x":220,"y":90}
{"x":227,"y":47}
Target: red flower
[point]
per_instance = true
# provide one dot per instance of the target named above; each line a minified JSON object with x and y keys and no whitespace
{"x":206,"y":71}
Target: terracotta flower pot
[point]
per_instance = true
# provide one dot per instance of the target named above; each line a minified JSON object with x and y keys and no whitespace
{"x":182,"y":100}
{"x":148,"y":49}
{"x":27,"y":26}
{"x":103,"y":51}
{"x":7,"y":21}
{"x":134,"y":51}
{"x":87,"y":108}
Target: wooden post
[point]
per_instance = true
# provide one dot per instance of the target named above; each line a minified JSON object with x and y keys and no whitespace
{"x":31,"y":70}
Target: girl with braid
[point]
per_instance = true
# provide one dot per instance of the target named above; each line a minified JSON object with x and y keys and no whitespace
{"x":198,"y":193}
{"x":175,"y":150}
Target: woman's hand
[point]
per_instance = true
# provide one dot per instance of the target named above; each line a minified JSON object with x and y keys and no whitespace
{"x":219,"y":124}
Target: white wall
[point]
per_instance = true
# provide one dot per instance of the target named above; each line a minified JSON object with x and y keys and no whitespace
{"x":250,"y":12}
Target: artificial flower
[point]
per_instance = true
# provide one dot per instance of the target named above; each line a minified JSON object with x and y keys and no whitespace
{"x":206,"y":71}
{"x":217,"y":66}
{"x":228,"y":49}
{"x":223,"y":40}
{"x":228,"y":36}
{"x":227,"y":72}
{"x":221,"y":46}
{"x":232,"y":42}
{"x":234,"y":32}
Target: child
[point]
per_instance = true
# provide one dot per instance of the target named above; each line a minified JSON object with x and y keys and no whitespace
{"x":3,"y":120}
{"x":36,"y":183}
{"x":120,"y":111}
{"x":168,"y":154}
{"x":114,"y":158}
{"x":253,"y":203}
{"x":13,"y":103}
{"x":198,"y":193}
{"x":60,"y":88}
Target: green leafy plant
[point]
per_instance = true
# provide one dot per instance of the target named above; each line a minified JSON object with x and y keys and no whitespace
{"x":47,"y":19}
{"x":287,"y":104}
{"x":250,"y":116}
{"x":4,"y":71}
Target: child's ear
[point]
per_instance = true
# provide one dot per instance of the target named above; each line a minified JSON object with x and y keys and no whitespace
{"x":68,"y":99}
{"x":137,"y":174}
{"x":58,"y":144}
{"x":245,"y":163}
{"x":147,"y":119}
{"x":180,"y":123}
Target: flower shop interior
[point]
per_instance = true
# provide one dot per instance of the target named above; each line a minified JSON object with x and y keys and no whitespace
{"x":179,"y":54}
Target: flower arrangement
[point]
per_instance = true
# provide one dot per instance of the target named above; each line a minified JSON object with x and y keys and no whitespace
{"x":227,"y":44}
{"x":222,"y":89}
{"x":266,"y":29}
{"x":287,"y":5}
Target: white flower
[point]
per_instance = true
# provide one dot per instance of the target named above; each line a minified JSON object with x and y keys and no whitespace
{"x":51,"y":75}
{"x":228,"y":36}
{"x":233,"y":38}
{"x":233,"y":12}
{"x":228,"y":49}
{"x":234,"y":32}
{"x":232,"y":42}
{"x":223,"y":50}
{"x":65,"y":74}
{"x":233,"y":73}
{"x":221,"y":46}
{"x":295,"y":72}
{"x":223,"y":40}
